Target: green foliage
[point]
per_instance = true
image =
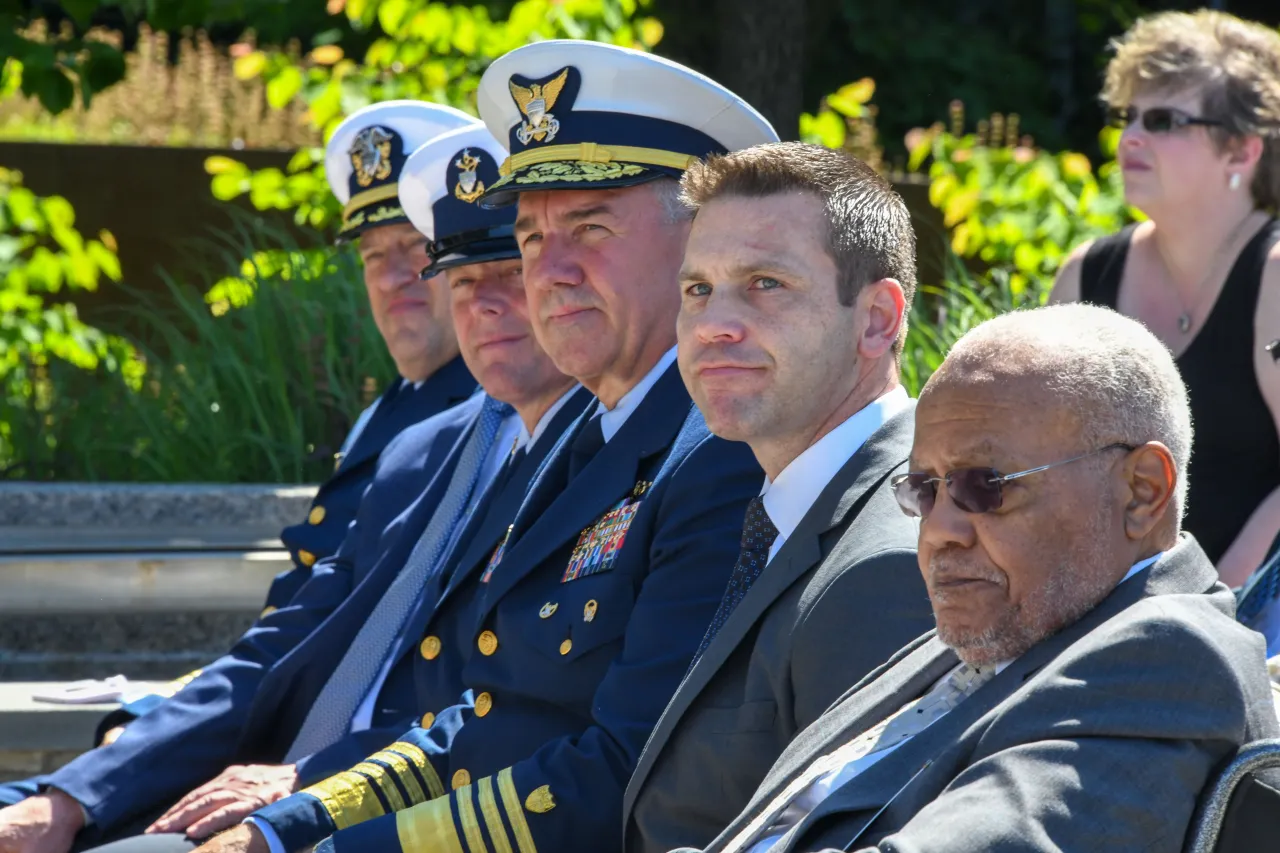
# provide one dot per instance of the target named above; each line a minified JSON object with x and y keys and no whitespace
{"x":177,"y":91}
{"x":1014,"y":207}
{"x":259,"y":391}
{"x":943,"y":313}
{"x":425,"y":50}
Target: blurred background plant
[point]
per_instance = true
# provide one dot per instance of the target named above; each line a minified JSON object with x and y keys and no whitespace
{"x":195,"y":98}
{"x":252,"y":377}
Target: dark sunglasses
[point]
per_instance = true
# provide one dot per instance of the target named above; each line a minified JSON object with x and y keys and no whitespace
{"x":971,"y":489}
{"x":1156,"y":119}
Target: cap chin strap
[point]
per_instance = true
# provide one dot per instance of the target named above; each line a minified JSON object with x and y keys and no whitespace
{"x":496,"y":243}
{"x":593,"y":152}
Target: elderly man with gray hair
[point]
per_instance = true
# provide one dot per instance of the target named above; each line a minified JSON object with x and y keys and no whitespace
{"x":1086,"y":676}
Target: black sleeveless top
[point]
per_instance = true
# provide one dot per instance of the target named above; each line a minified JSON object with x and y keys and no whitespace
{"x":1235,"y":460}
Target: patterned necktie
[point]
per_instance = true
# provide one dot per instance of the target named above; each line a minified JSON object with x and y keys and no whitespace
{"x":758,"y":535}
{"x":330,"y":716}
{"x":899,"y":727}
{"x":586,"y":444}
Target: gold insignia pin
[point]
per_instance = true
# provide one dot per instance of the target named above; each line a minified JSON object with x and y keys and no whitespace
{"x":641,"y":487}
{"x":370,"y":155}
{"x":540,"y":801}
{"x":469,"y":187}
{"x":589,"y":610}
{"x":548,"y":610}
{"x":535,"y":102}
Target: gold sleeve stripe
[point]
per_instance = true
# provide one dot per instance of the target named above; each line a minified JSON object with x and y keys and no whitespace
{"x":419,"y":760}
{"x":379,"y":775}
{"x":492,"y":817}
{"x":515,"y":812}
{"x":428,"y":828}
{"x":402,"y":771}
{"x":347,"y":798}
{"x":467,"y":815}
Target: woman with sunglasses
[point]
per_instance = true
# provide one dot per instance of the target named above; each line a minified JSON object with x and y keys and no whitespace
{"x":1198,"y":98}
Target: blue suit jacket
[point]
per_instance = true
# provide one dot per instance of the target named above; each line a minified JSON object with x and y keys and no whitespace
{"x":297,"y":680}
{"x":339,"y":497}
{"x":335,"y":504}
{"x":580,"y":635}
{"x":219,"y":718}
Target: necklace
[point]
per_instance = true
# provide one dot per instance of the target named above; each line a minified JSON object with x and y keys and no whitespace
{"x":1184,"y":319}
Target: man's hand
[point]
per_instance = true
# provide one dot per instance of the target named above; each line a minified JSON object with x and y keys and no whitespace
{"x":235,"y":794}
{"x":46,"y":823}
{"x":240,"y":839}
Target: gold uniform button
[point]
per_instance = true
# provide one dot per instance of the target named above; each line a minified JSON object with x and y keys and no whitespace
{"x":484,"y":704}
{"x":306,"y":558}
{"x":427,"y":719}
{"x":317,"y":515}
{"x":431,"y":648}
{"x":461,"y":779}
{"x":566,"y":647}
{"x":488,"y":643}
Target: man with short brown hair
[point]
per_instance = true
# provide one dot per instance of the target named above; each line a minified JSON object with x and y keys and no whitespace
{"x":797,"y":278}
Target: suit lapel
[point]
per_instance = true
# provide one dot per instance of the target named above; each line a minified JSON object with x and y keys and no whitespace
{"x":1184,"y":569}
{"x":606,"y":479}
{"x":883,"y":451}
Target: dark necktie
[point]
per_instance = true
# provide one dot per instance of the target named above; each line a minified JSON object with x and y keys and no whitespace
{"x":758,"y":535}
{"x":586,"y":444}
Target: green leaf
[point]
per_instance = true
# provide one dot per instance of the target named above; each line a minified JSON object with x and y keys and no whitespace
{"x":51,"y":85}
{"x":391,"y":14}
{"x":283,"y":87}
{"x":103,"y":67}
{"x":826,"y":128}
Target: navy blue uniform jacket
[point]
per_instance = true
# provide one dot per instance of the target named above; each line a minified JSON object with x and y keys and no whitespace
{"x":224,"y":715}
{"x":584,"y":622}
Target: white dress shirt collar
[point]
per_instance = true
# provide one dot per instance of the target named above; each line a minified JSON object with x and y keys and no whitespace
{"x":790,"y":497}
{"x":612,"y":419}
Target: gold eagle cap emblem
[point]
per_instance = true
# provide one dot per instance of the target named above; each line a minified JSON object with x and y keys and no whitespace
{"x":469,"y":187}
{"x":535,"y":102}
{"x":540,"y":801}
{"x":370,"y":154}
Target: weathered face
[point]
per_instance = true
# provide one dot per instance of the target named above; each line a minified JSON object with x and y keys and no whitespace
{"x":598,"y":268}
{"x":1174,"y":170}
{"x":491,"y":314}
{"x":1002,"y":581}
{"x":766,"y":348}
{"x":413,"y":315}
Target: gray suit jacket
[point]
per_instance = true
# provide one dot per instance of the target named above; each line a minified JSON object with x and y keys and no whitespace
{"x":1098,"y":738}
{"x":842,"y":594}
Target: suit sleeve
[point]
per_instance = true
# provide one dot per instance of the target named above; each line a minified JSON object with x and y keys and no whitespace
{"x":191,"y":737}
{"x":568,"y":794}
{"x":1100,"y":758}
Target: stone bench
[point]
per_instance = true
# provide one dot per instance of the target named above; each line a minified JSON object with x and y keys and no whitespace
{"x":145,"y":580}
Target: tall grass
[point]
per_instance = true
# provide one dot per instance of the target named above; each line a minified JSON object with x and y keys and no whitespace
{"x":943,"y":313}
{"x":259,"y":392}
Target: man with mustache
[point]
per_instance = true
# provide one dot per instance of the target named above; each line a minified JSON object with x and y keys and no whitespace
{"x":1087,"y":675}
{"x":580,"y":624}
{"x":322,"y":681}
{"x":796,"y":282}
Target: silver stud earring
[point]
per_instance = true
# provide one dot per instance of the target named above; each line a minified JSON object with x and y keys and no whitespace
{"x":1234,"y":182}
